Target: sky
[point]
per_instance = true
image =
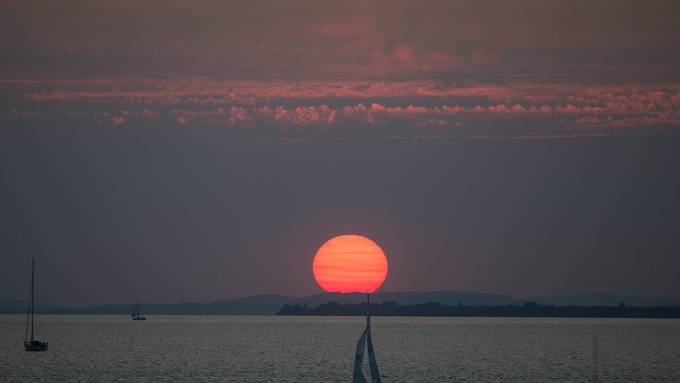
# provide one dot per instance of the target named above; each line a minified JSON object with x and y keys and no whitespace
{"x":192,"y":151}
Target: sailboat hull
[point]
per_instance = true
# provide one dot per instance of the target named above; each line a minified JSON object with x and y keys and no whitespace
{"x":135,"y":313}
{"x":35,"y":345}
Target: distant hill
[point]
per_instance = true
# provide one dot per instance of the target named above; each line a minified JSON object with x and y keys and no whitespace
{"x":266,"y":304}
{"x":270,"y":304}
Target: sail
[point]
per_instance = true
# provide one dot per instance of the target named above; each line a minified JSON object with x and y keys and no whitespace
{"x":32,"y":344}
{"x":372,"y":363}
{"x":31,"y":304}
{"x":28,"y":310}
{"x":359,"y":359}
{"x":135,"y":310}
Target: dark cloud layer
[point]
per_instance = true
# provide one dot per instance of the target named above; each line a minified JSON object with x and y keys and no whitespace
{"x":348,"y":39}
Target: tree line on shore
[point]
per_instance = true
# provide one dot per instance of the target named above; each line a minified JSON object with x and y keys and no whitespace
{"x":528,"y":309}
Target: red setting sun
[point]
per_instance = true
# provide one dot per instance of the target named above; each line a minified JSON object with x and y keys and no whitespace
{"x":350,"y":264}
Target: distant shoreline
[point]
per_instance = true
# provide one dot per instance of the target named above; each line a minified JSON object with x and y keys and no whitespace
{"x":527,"y":310}
{"x":455,"y":303}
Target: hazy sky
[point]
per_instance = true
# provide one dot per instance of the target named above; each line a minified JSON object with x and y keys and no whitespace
{"x":175,"y":151}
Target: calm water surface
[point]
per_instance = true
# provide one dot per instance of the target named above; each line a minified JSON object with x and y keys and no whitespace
{"x":321,"y":349}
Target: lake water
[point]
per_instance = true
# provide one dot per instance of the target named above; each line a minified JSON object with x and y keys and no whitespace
{"x":321,"y":349}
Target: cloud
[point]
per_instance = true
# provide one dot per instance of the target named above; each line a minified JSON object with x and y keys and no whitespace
{"x":238,"y":115}
{"x":349,"y":40}
{"x":305,"y":115}
{"x":118,"y":120}
{"x":398,"y":105}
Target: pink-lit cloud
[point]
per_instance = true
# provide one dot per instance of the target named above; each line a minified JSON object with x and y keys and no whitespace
{"x":425,"y":104}
{"x":238,"y":115}
{"x":118,"y":120}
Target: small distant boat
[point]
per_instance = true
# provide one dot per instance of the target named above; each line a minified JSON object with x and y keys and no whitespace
{"x":135,"y":313}
{"x":32,"y":344}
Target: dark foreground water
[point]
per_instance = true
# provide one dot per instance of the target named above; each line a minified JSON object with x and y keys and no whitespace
{"x":320,"y":349}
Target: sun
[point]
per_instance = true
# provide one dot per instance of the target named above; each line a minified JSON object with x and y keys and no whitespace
{"x":350,"y":264}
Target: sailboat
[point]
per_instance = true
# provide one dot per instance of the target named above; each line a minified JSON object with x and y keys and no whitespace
{"x":365,"y":341}
{"x":135,"y":313}
{"x":32,"y":344}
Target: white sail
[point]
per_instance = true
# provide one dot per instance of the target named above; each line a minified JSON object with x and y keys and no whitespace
{"x":372,"y":363}
{"x":29,"y":314}
{"x":359,"y":356}
{"x":359,"y":359}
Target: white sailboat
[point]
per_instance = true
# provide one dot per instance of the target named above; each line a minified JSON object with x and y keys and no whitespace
{"x":135,"y":313}
{"x":366,"y":341}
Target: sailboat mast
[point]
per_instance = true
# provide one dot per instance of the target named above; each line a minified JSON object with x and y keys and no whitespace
{"x":368,"y":310}
{"x":28,"y":313}
{"x":32,"y":295}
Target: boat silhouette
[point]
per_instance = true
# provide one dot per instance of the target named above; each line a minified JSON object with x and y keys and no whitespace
{"x":365,"y":341}
{"x":31,"y":344}
{"x":135,"y":313}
